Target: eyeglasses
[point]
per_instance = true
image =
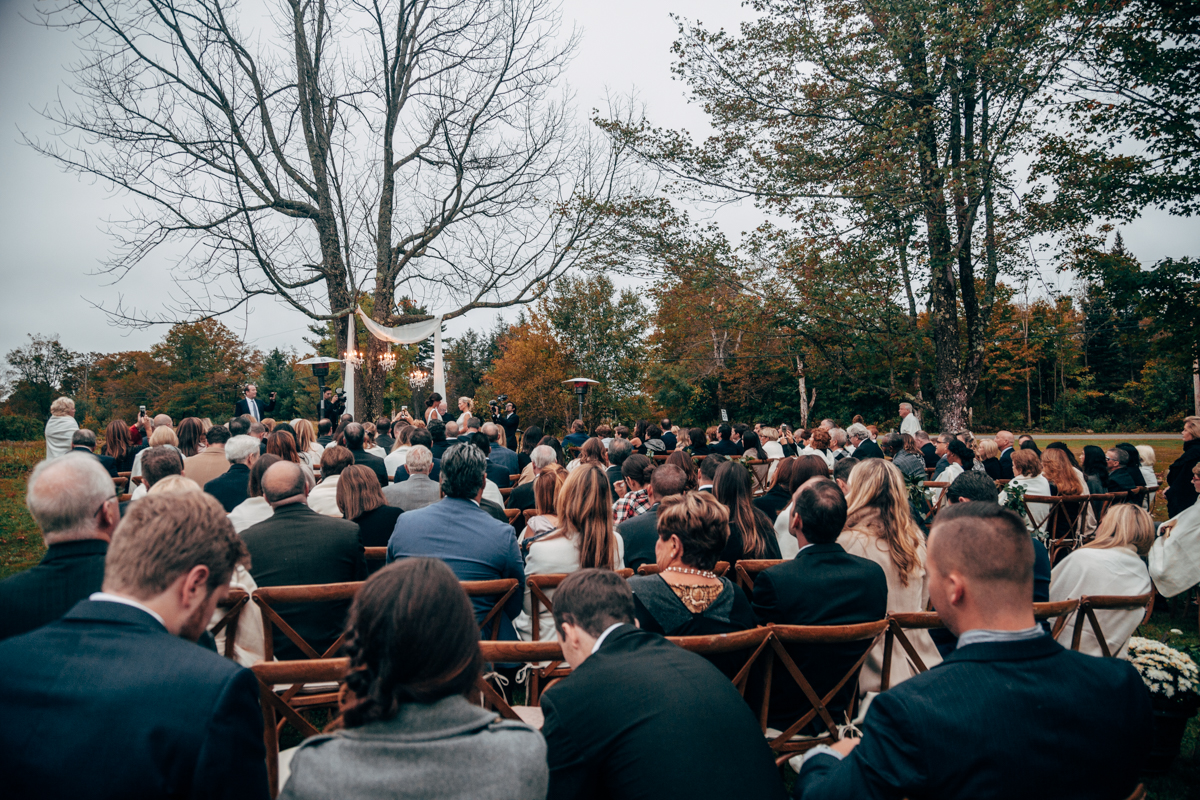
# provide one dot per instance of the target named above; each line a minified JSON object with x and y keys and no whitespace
{"x":1113,"y":460}
{"x":102,"y":505}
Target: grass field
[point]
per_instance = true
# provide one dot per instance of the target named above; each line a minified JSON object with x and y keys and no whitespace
{"x":21,"y":547}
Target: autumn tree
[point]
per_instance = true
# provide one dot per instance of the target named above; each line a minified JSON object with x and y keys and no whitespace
{"x":530,"y":369}
{"x":38,"y":372}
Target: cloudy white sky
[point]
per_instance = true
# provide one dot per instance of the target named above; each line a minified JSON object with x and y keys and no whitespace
{"x":52,"y":224}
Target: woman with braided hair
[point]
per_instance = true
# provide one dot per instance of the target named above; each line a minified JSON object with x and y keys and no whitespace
{"x":406,"y":727}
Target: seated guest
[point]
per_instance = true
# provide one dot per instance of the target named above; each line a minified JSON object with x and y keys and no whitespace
{"x":361,"y":501}
{"x":669,"y":438}
{"x":577,"y":436}
{"x":1120,"y":477}
{"x":842,"y":470}
{"x":928,"y":449}
{"x":255,"y":508}
{"x":157,"y":463}
{"x":697,"y":443}
{"x":531,"y":439}
{"x":1094,"y":468}
{"x":751,"y":534}
{"x":1027,"y":472}
{"x":724,"y":444}
{"x":161,"y":425}
{"x":1146,"y":453}
{"x":803,"y":468}
{"x":546,"y":487}
{"x":821,"y":585}
{"x":173,"y":484}
{"x":118,"y":446}
{"x":686,"y":598}
{"x":880,"y":528}
{"x":298,"y":546}
{"x":635,"y":473}
{"x":582,"y":539}
{"x":521,"y":497}
{"x":84,"y":441}
{"x":324,"y":432}
{"x":282,"y":442}
{"x":935,"y":734}
{"x":688,"y":464}
{"x":618,"y":451}
{"x":138,"y":711}
{"x":400,"y":446}
{"x":959,"y":459}
{"x":598,"y":743}
{"x":819,"y":444}
{"x":232,"y":487}
{"x":904,"y":455}
{"x":498,"y":454}
{"x":592,"y":452}
{"x":383,"y":434}
{"x":440,"y":438}
{"x":708,"y":471}
{"x":406,"y":723}
{"x":496,"y":474}
{"x":1110,"y":564}
{"x":355,"y":437}
{"x":1133,"y":463}
{"x":422,"y":437}
{"x":640,"y":534}
{"x":306,"y":443}
{"x":770,"y":442}
{"x":323,"y":497}
{"x":458,"y":531}
{"x":211,"y":462}
{"x":864,"y":446}
{"x":74,"y":504}
{"x":989,"y":455}
{"x":418,"y":490}
{"x":777,"y":497}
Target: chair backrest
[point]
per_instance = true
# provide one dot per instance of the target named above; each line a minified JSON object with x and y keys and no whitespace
{"x":503,"y":588}
{"x":1089,"y":604}
{"x":512,"y":514}
{"x":719,"y":569}
{"x":1066,"y":524}
{"x":1041,"y":525}
{"x":735,"y":654}
{"x":375,"y":553}
{"x":747,"y":570}
{"x":939,"y":498}
{"x":529,"y":513}
{"x":233,"y":604}
{"x":269,"y":597}
{"x":514,"y":478}
{"x":506,"y":491}
{"x":120,"y":482}
{"x":529,"y":653}
{"x":759,"y":468}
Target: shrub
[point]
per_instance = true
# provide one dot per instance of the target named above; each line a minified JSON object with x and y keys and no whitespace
{"x":20,"y":429}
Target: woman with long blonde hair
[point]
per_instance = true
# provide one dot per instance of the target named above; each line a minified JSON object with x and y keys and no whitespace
{"x":584,"y":538}
{"x":880,"y":527}
{"x":306,"y":442}
{"x":1111,"y":564}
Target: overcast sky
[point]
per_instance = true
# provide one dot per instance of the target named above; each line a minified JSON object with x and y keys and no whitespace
{"x":52,"y":224}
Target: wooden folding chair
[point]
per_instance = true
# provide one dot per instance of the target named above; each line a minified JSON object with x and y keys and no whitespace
{"x":505,"y":492}
{"x":277,"y":709}
{"x":747,"y":570}
{"x":512,"y":514}
{"x":660,"y":459}
{"x":375,"y":553}
{"x":529,"y":513}
{"x":1065,"y":526}
{"x":719,"y":569}
{"x":789,"y":742}
{"x":723,"y":649}
{"x":514,"y":478}
{"x":936,"y":505}
{"x":233,"y":604}
{"x":1041,"y":526}
{"x":124,"y":498}
{"x":759,"y":468}
{"x":502,"y":587}
{"x":539,"y":600}
{"x":1088,"y":605}
{"x":267,"y":597}
{"x":119,"y":484}
{"x":530,"y":653}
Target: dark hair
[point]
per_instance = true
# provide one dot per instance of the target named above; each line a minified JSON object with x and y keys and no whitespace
{"x":554,"y":445}
{"x":984,"y":541}
{"x":1063,"y":446}
{"x":805,"y":467}
{"x":420,"y":436}
{"x":697,"y":437}
{"x":437,"y":430}
{"x":593,"y":599}
{"x":973,"y":485}
{"x":383,"y":425}
{"x":256,"y":472}
{"x":411,"y":638}
{"x":782,"y":477}
{"x":1135,"y":458}
{"x":324,"y":426}
{"x":159,"y":462}
{"x":577,"y":426}
{"x":116,"y":439}
{"x":190,"y":432}
{"x":217,"y":434}
{"x":963,"y":452}
{"x":891,"y":443}
{"x":638,"y":468}
{"x":239,"y":426}
{"x":653,"y":431}
{"x":724,"y":431}
{"x":822,"y":510}
{"x":1093,"y":461}
{"x":480,"y":440}
{"x":433,"y":400}
{"x":681,"y":459}
{"x":1030,"y":444}
{"x":354,"y":434}
{"x":753,"y":444}
{"x":843,"y":467}
{"x":464,"y":471}
{"x":335,"y":459}
{"x":733,"y":488}
{"x":667,"y":480}
{"x":533,"y":435}
{"x":710,"y":464}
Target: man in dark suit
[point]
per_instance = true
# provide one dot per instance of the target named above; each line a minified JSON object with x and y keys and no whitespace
{"x":73,"y":502}
{"x":928,"y":449}
{"x":639,"y":716}
{"x":708,"y":471}
{"x":250,"y":404}
{"x":724,"y":444}
{"x":618,"y":451}
{"x":668,"y":438}
{"x":641,"y":533}
{"x":135,"y":710}
{"x":860,"y":437}
{"x":1004,"y":440}
{"x":498,"y":454}
{"x":232,"y":488}
{"x":439,"y":444}
{"x":822,"y":585}
{"x":84,"y":441}
{"x":298,"y":546}
{"x":511,"y":424}
{"x":1011,"y":713}
{"x":521,"y":496}
{"x":1120,"y":478}
{"x":354,"y":435}
{"x":495,"y":473}
{"x":457,"y":530}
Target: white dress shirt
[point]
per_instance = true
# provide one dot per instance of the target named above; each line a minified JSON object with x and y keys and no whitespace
{"x":105,"y":597}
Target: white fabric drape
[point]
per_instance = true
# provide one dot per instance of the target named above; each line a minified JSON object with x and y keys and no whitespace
{"x":348,"y":372}
{"x":411,"y":334}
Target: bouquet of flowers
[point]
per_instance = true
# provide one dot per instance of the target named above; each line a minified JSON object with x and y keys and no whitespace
{"x":1168,"y":673}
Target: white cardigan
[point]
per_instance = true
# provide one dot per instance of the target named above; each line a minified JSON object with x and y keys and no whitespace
{"x":552,"y":557}
{"x":1101,"y":571}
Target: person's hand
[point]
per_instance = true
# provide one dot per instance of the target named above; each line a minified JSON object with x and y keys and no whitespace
{"x":619,"y":488}
{"x":1164,"y":530}
{"x":844,"y":746}
{"x":271,"y":396}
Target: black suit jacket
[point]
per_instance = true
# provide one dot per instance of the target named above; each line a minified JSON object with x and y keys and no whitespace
{"x":68,"y":573}
{"x":511,"y":424}
{"x":439,"y":448}
{"x":131,"y":710}
{"x":929,"y":451}
{"x":867,"y":449}
{"x":640,"y":534}
{"x":614,"y":474}
{"x":998,"y":720}
{"x":669,"y":440}
{"x":232,"y":487}
{"x":1181,"y":493}
{"x":297,"y":546}
{"x":521,"y":497}
{"x":402,"y":472}
{"x":108,"y":462}
{"x":726,"y":447}
{"x":499,"y":475}
{"x":627,"y":723}
{"x":1006,"y":469}
{"x":822,"y":585}
{"x":1120,"y":480}
{"x":773,"y":501}
{"x":374,"y":462}
{"x":243,"y":407}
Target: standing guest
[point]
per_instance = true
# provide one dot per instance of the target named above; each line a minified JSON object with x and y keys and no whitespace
{"x":407,"y":728}
{"x":618,"y":451}
{"x":669,"y":438}
{"x":324,"y":432}
{"x":725,"y":444}
{"x":1004,"y":441}
{"x":803,"y":468}
{"x":457,"y":530}
{"x":1173,"y":564}
{"x":84,"y":441}
{"x":361,"y":501}
{"x":191,"y":437}
{"x":880,"y":528}
{"x":418,"y":490}
{"x":1181,"y":492}
{"x":751,"y":532}
{"x":1120,"y":477}
{"x":249,"y":404}
{"x":577,"y":436}
{"x":934,"y":735}
{"x":928,"y":449}
{"x":686,"y":598}
{"x":323,"y":498}
{"x":498,"y":454}
{"x":255,"y":508}
{"x":636,"y":473}
{"x":330,"y":410}
{"x":686,"y":463}
{"x":909,"y":423}
{"x":211,"y":462}
{"x":583,"y":539}
{"x":640,"y":534}
{"x":383,"y":434}
{"x":864,"y":445}
{"x":1111,"y":564}
{"x":232,"y":487}
{"x":596,"y":738}
{"x":74,"y":505}
{"x":156,"y":716}
{"x":118,"y":446}
{"x":821,"y":585}
{"x":532,"y":438}
{"x":1095,"y":468}
{"x":698,"y":442}
{"x":297,"y":546}
{"x":59,"y":427}
{"x":355,"y":436}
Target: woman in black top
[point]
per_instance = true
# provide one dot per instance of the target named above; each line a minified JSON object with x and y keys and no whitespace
{"x":778,"y":493}
{"x":118,"y":447}
{"x":360,"y":500}
{"x":533,"y":435}
{"x":751,"y":533}
{"x":1095,"y":468}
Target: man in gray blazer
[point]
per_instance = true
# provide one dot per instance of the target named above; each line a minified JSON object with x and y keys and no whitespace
{"x":419,"y":490}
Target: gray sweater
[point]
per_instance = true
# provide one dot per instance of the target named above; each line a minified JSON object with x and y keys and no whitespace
{"x":447,"y":749}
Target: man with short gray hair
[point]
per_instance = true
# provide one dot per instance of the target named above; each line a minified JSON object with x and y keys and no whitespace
{"x":838,"y":441}
{"x":860,"y":437}
{"x":908,"y":420}
{"x":74,"y":503}
{"x":419,"y":490}
{"x":542,"y":456}
{"x":459,"y":532}
{"x":233,"y":486}
{"x":84,"y":441}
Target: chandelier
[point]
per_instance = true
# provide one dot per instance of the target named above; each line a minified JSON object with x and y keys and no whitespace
{"x":387,"y":360}
{"x":353,"y":358}
{"x":418,"y":377}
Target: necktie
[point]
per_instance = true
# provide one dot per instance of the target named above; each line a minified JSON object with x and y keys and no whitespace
{"x":254,"y":411}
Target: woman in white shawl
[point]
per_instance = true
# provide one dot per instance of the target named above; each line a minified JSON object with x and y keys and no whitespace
{"x":60,"y":427}
{"x":1175,"y":556}
{"x":1111,"y":564}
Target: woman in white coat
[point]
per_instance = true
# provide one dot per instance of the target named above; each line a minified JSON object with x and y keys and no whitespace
{"x":1111,"y":564}
{"x":60,"y":427}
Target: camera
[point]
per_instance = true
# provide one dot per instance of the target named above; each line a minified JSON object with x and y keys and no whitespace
{"x":499,"y":401}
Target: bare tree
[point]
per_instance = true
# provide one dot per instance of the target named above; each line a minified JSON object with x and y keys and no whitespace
{"x":330,"y":152}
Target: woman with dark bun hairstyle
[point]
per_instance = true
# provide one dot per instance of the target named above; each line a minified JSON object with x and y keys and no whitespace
{"x":406,"y":727}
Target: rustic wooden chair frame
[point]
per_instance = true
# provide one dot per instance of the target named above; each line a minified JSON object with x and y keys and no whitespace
{"x":234,"y":602}
{"x":746,"y":571}
{"x":1066,"y":526}
{"x":1088,"y":605}
{"x":936,"y":504}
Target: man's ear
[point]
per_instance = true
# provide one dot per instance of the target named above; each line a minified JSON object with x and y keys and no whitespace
{"x":194,"y":588}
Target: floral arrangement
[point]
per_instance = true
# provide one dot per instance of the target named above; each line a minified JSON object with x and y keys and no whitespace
{"x":1167,"y":672}
{"x":1014,"y":498}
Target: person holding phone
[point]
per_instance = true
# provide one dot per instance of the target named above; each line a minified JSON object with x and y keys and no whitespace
{"x":250,"y":404}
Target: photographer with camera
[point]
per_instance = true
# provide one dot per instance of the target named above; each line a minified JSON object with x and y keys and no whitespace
{"x":331,"y":409}
{"x":250,"y":405}
{"x":506,"y":419}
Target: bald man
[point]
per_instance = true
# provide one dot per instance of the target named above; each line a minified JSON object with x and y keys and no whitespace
{"x":298,"y":546}
{"x":1011,"y":713}
{"x":1004,"y":440}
